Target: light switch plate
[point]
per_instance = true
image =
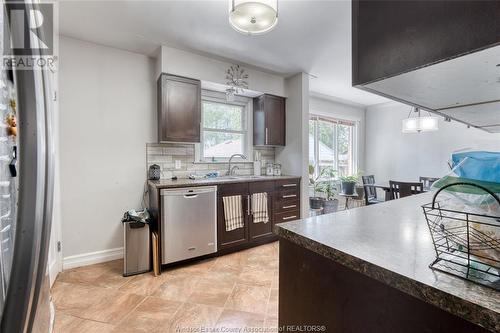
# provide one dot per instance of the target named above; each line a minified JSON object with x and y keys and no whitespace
{"x":177,"y":164}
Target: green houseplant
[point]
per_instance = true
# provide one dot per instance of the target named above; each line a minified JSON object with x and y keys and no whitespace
{"x":348,"y":183}
{"x":315,"y":202}
{"x":325,"y":183}
{"x":329,"y":188}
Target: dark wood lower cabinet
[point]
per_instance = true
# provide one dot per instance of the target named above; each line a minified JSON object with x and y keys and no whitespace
{"x":317,"y":291}
{"x":259,"y":230}
{"x":252,"y":234}
{"x":237,"y":237}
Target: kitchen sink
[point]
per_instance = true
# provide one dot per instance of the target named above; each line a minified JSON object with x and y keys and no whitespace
{"x":255,"y":177}
{"x":240,"y":177}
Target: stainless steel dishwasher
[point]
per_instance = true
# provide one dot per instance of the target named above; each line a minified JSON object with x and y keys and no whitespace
{"x":188,"y":223}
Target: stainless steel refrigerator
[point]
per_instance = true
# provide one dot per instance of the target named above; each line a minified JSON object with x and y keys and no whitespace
{"x":26,"y":191}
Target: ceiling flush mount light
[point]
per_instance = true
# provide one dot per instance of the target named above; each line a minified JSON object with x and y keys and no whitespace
{"x":419,"y":123}
{"x":253,"y":17}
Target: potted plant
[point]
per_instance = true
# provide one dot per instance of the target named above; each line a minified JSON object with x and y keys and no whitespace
{"x":323,"y":183}
{"x":329,"y":188}
{"x":348,"y":183}
{"x":315,"y":202}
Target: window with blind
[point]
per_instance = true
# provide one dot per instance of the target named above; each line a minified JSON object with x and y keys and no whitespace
{"x":332,"y":144}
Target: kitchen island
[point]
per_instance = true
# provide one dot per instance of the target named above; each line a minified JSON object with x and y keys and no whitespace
{"x":367,"y":270}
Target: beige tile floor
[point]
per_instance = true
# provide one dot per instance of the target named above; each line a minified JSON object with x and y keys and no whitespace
{"x":239,"y":290}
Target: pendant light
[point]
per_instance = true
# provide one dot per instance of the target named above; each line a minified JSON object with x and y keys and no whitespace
{"x":419,"y":123}
{"x":253,"y":17}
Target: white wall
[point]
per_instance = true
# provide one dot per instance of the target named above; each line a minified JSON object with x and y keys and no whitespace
{"x":322,"y":106}
{"x":295,"y":155}
{"x":391,"y":154}
{"x":188,"y":64}
{"x":107,"y":114}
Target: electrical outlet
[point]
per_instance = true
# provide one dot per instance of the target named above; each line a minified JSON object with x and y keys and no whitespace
{"x":177,"y":164}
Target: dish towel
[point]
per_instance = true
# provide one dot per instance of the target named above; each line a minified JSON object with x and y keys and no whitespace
{"x":233,"y":212}
{"x":259,"y":208}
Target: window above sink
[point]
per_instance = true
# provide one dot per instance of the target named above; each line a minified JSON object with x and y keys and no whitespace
{"x":224,"y":128}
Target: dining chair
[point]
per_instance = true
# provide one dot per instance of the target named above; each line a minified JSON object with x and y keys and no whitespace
{"x":370,"y":191}
{"x":405,"y":189}
{"x":427,"y":181}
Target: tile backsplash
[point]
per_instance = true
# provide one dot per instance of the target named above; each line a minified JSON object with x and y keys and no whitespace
{"x":165,"y":155}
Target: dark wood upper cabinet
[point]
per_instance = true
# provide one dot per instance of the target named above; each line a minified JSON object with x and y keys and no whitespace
{"x":439,"y":56}
{"x":269,"y":121}
{"x":179,"y":108}
{"x":394,"y":37}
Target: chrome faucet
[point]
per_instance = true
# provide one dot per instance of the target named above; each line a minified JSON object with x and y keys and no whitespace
{"x":230,"y":171}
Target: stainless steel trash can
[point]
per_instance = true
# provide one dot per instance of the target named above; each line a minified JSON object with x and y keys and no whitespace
{"x":136,"y":248}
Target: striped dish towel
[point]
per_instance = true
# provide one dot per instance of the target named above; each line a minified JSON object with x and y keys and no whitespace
{"x":233,"y":212}
{"x":259,"y":208}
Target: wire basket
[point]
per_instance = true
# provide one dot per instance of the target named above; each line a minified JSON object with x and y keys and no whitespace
{"x":467,"y":244}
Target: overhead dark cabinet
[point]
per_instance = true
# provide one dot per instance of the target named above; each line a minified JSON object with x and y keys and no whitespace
{"x":269,"y":121}
{"x":179,"y":108}
{"x":393,"y":37}
{"x":442,"y":56}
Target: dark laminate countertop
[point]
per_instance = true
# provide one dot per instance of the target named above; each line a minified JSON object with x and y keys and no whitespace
{"x":390,"y":242}
{"x":183,"y":182}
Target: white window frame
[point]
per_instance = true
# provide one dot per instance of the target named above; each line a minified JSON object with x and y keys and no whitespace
{"x":354,"y":141}
{"x":247,"y":104}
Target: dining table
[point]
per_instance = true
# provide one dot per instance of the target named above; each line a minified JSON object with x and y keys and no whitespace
{"x":384,"y":187}
{"x":387,"y":189}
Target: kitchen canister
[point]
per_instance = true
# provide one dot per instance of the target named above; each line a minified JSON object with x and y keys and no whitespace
{"x":154,"y":172}
{"x":269,"y":169}
{"x":277,"y":169}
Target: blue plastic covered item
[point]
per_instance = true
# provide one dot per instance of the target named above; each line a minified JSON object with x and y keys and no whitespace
{"x":479,"y":165}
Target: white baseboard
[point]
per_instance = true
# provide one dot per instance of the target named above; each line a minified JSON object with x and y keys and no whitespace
{"x":92,"y":258}
{"x":53,"y":271}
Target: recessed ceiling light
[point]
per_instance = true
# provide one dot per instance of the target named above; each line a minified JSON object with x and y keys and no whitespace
{"x":253,"y":17}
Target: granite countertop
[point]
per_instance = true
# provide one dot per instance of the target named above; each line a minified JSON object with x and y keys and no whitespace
{"x":390,"y":242}
{"x":183,"y":182}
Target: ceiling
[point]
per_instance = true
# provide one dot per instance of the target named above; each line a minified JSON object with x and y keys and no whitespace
{"x":311,"y":36}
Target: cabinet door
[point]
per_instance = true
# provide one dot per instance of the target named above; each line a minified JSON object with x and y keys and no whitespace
{"x":274,"y":107}
{"x":259,"y":121}
{"x":269,"y":121}
{"x":179,"y":109}
{"x":258,"y":228}
{"x":232,"y":238}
